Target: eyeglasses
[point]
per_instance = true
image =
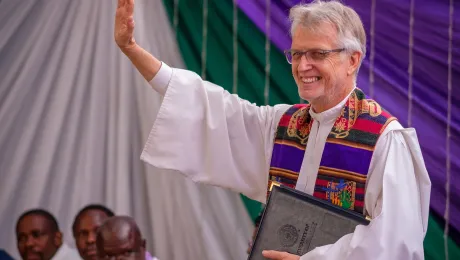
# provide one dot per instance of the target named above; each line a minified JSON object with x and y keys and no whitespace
{"x":313,"y":56}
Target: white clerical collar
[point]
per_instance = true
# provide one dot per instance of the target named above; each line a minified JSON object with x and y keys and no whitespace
{"x":332,"y":113}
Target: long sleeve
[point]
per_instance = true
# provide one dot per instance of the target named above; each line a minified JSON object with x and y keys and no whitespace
{"x":210,"y":135}
{"x":397,"y":199}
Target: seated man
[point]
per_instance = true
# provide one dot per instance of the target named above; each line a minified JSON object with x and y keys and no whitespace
{"x":120,"y":236}
{"x":39,"y":237}
{"x":85,"y":226}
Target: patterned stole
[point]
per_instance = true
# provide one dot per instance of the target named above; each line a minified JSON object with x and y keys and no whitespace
{"x":347,"y":153}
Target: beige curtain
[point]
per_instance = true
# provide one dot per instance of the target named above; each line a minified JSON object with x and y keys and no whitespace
{"x":74,"y":116}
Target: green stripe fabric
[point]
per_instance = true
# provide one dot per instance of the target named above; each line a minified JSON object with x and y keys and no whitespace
{"x":434,"y":243}
{"x":251,"y":52}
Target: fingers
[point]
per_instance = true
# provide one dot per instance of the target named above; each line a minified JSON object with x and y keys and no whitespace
{"x":274,"y":255}
{"x":129,"y":5}
{"x":121,"y":3}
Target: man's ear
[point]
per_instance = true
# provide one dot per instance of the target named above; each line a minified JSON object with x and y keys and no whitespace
{"x":143,"y":243}
{"x":58,"y":239}
{"x":355,"y":57}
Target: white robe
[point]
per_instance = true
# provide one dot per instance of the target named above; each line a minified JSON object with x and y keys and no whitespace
{"x":214,"y":137}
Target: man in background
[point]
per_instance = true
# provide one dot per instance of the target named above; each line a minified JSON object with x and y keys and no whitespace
{"x":85,"y":226}
{"x":120,"y":236}
{"x":39,"y":237}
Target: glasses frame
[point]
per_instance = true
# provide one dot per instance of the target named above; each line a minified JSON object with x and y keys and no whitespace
{"x":304,"y":53}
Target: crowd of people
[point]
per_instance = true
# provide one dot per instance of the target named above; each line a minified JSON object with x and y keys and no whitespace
{"x":98,"y":233}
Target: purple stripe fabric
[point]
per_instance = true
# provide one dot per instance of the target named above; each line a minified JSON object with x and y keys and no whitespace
{"x":291,"y":159}
{"x":256,"y":10}
{"x":429,"y":95}
{"x":344,"y":157}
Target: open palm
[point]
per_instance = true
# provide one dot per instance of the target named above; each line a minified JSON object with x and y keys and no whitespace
{"x":124,"y":24}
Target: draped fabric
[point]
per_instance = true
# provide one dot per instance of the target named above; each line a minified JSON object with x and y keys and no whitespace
{"x":74,"y":116}
{"x":428,"y":95}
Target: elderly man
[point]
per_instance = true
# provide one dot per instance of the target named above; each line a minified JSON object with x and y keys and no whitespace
{"x":341,"y":147}
{"x":39,"y":237}
{"x":120,"y":236}
{"x":85,"y":226}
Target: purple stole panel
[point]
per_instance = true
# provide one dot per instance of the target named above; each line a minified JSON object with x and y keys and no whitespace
{"x":347,"y":153}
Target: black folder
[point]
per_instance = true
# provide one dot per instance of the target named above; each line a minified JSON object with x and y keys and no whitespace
{"x":297,"y":223}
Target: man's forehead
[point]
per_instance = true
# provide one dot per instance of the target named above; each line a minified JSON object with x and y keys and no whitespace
{"x":91,"y":218}
{"x":321,"y":36}
{"x":120,"y":234}
{"x":114,"y":243}
{"x":119,"y":242}
{"x":34,"y":221}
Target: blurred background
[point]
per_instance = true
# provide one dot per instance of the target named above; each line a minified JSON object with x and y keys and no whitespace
{"x":75,"y":114}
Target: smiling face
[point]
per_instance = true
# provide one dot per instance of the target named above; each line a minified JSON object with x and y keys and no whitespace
{"x":36,"y":238}
{"x":324,"y":78}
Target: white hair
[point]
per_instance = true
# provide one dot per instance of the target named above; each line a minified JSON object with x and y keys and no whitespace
{"x":350,"y":29}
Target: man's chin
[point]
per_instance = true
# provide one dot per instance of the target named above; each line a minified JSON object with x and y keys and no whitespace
{"x":34,"y":257}
{"x":309,"y":94}
{"x":91,"y":256}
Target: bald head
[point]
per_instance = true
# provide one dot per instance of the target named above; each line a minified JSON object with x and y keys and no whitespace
{"x":120,"y":235}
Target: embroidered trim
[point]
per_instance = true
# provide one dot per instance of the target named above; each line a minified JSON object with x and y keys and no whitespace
{"x":284,"y":173}
{"x":298,"y":126}
{"x":337,"y":173}
{"x":341,"y":194}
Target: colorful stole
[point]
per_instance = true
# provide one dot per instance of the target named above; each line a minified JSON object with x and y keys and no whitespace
{"x":347,"y":153}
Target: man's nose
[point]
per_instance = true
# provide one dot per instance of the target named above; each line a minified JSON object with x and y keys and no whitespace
{"x":91,"y":238}
{"x":304,"y":63}
{"x":30,"y":242}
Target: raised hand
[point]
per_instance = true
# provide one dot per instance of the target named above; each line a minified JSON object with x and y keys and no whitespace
{"x":124,"y":24}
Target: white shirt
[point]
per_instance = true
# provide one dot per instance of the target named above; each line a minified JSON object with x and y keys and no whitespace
{"x":66,"y":253}
{"x":214,"y":137}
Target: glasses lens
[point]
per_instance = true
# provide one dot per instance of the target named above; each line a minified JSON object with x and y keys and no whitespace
{"x":288,"y":56}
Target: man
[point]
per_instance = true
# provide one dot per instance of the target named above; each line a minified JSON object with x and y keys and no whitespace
{"x":120,"y":236}
{"x":341,"y":147}
{"x":85,"y":226}
{"x":39,"y":237}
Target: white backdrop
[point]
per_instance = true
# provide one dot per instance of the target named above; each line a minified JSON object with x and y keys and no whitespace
{"x":74,"y":116}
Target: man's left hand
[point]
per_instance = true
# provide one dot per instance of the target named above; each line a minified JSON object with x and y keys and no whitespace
{"x":276,"y":255}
